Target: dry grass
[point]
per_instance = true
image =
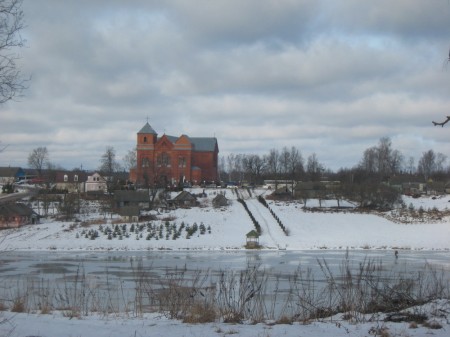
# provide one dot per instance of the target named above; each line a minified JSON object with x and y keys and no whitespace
{"x":433,"y":325}
{"x":284,"y":320}
{"x":19,"y":305}
{"x":201,"y":313}
{"x":3,"y":306}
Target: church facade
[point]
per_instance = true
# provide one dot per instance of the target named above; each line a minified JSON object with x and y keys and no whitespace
{"x":169,"y":160}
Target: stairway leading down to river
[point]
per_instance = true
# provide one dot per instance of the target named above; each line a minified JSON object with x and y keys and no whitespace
{"x":271,"y":233}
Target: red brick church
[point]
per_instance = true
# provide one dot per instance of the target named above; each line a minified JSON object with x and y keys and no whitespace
{"x":172,"y":160}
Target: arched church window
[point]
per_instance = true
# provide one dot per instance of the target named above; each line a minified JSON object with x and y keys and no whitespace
{"x":163,"y":160}
{"x":145,"y":139}
{"x":181,"y":162}
{"x":145,"y":162}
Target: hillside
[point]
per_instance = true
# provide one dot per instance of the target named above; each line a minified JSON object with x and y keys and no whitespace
{"x":226,"y":228}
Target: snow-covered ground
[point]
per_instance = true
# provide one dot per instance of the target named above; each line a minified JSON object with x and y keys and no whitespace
{"x":154,"y":325}
{"x":226,"y":228}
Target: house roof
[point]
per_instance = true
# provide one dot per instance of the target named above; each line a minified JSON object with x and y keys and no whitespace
{"x":220,"y":200}
{"x":252,"y":234}
{"x":147,"y":129}
{"x":200,"y":144}
{"x":11,"y":171}
{"x":184,"y":196}
{"x":60,"y":175}
{"x":18,"y":209}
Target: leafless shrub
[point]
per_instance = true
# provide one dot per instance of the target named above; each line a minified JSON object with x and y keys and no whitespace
{"x":3,"y":306}
{"x":240,"y":295}
{"x":201,"y":313}
{"x":181,"y":290}
{"x":18,"y":305}
{"x":435,"y":325}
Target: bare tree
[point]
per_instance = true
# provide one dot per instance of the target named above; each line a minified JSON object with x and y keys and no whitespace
{"x":369,"y":160}
{"x":427,"y":164}
{"x":230,"y":166}
{"x":12,"y":83}
{"x":68,"y":206}
{"x":411,"y":166}
{"x":382,"y":159}
{"x":273,"y":165}
{"x":431,"y":163}
{"x":295,"y":165}
{"x":314,"y":168}
{"x":253,"y":165}
{"x":130,"y":160}
{"x":234,"y":164}
{"x":109,"y":167}
{"x":285,"y":158}
{"x":384,"y":155}
{"x":440,"y":161}
{"x":38,"y":159}
{"x":222,"y":168}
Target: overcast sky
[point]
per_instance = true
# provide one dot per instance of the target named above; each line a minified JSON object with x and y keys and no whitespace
{"x":329,"y":77}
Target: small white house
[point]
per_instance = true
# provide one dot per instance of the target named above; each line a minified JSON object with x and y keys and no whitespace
{"x":96,"y":183}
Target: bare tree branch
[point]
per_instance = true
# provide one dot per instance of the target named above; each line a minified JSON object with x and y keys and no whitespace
{"x":12,"y":83}
{"x":3,"y":147}
{"x":442,"y":123}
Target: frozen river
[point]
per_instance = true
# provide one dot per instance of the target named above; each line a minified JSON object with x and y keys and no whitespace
{"x":122,"y":264}
{"x":119,"y":279}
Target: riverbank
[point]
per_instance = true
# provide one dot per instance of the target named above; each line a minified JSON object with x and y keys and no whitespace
{"x":155,"y":325}
{"x":152,"y":294}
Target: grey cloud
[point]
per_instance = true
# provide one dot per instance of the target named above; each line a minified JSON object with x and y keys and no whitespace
{"x":321,"y":75}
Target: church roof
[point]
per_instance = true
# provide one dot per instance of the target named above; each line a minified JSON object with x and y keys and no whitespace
{"x":204,"y":143}
{"x":148,"y":129}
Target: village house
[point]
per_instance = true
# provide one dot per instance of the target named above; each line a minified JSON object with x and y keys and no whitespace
{"x":14,"y":215}
{"x":126,"y":198}
{"x":9,"y":175}
{"x":128,"y":204}
{"x":129,"y":213}
{"x":184,"y":199}
{"x":71,"y":181}
{"x":220,"y":201}
{"x":96,"y":183}
{"x":169,"y":160}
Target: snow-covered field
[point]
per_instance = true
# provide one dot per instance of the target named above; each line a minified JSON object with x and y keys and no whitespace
{"x":226,"y":228}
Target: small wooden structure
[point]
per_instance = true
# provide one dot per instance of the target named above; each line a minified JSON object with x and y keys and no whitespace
{"x":220,"y":201}
{"x":252,"y":240}
{"x":15,"y":215}
{"x":130,"y":213}
{"x":184,"y":199}
{"x":125,"y":198}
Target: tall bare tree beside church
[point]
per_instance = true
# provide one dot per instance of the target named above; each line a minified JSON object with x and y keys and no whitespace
{"x":130,"y":160}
